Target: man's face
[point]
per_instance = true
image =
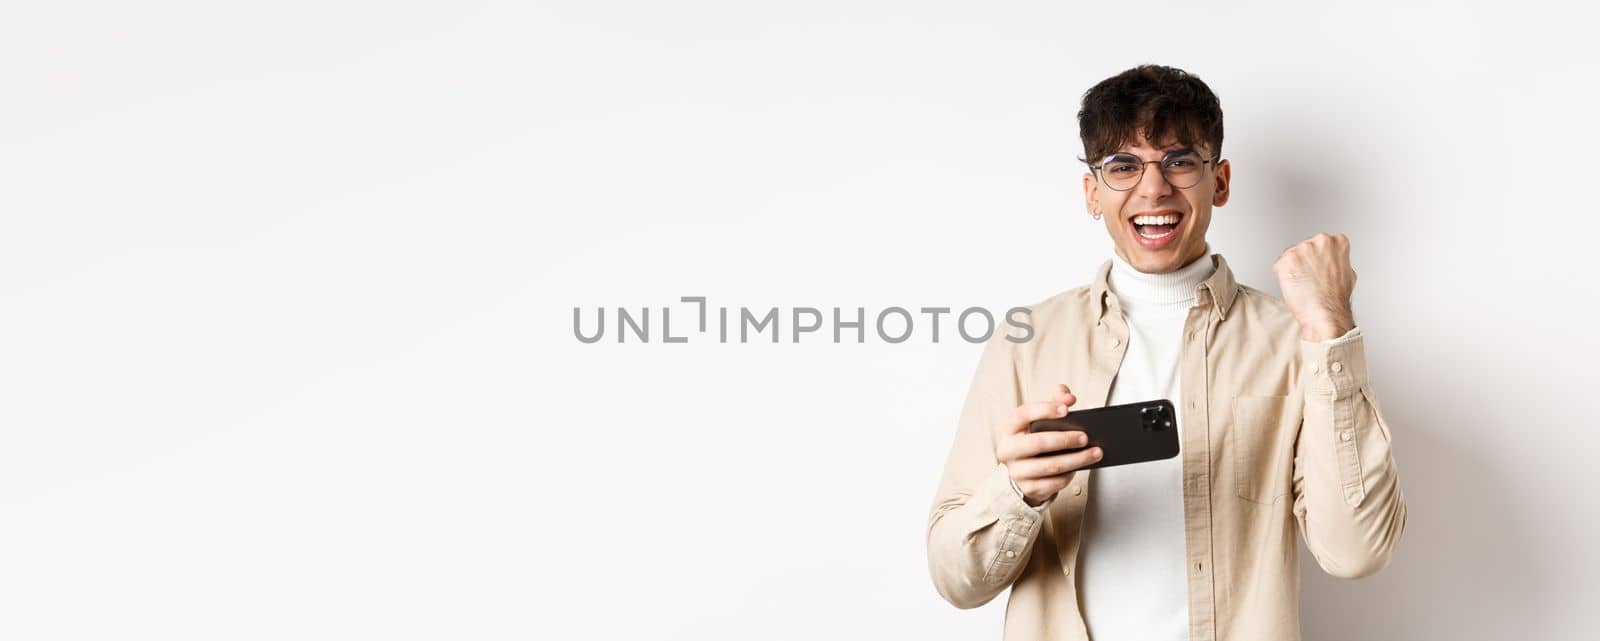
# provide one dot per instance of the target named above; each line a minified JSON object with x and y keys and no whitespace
{"x":1153,"y":195}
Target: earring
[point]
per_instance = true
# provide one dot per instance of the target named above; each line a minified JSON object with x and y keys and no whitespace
{"x":1097,"y":214}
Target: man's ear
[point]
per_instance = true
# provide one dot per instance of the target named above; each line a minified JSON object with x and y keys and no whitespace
{"x":1224,"y":179}
{"x":1091,"y":192}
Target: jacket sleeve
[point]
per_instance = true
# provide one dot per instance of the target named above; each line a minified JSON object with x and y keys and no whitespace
{"x":980,"y":530}
{"x":1347,"y":496}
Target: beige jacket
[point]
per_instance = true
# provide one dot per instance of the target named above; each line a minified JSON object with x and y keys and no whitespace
{"x":1279,"y":433}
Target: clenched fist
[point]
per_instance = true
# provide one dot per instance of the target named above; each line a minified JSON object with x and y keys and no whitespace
{"x":1316,"y":280}
{"x":1040,"y":477}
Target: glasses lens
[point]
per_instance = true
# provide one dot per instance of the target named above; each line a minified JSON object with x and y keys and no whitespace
{"x":1121,"y":172}
{"x":1182,"y":170}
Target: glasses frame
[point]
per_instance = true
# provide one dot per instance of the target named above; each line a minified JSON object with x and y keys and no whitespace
{"x":1101,"y":176}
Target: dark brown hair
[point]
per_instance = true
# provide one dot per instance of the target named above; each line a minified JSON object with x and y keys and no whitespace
{"x":1159,"y":101}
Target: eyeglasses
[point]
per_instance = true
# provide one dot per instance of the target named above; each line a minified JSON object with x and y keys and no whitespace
{"x":1181,"y":168}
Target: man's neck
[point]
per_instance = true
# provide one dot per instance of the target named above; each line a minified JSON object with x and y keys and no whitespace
{"x":1135,"y":288}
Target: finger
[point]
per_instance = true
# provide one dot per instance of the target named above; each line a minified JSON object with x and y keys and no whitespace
{"x":1021,"y":446}
{"x":1042,"y":466}
{"x":1045,"y":487}
{"x":1030,"y":412}
{"x":1289,"y":258}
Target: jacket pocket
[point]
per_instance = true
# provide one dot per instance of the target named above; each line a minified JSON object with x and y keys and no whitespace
{"x":1260,"y":446}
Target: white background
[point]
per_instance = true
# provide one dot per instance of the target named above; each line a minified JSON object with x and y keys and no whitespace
{"x":288,"y":288}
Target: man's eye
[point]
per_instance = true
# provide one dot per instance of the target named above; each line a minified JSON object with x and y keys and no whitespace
{"x":1181,"y":163}
{"x":1119,"y":169}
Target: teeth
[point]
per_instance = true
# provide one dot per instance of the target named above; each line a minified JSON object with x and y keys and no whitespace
{"x":1141,"y":233}
{"x":1168,"y":219}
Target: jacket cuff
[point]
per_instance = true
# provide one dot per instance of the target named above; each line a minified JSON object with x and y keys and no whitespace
{"x":1337,"y":367}
{"x":1348,"y":336}
{"x":1021,"y":523}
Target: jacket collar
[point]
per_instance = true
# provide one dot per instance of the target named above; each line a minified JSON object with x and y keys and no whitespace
{"x":1220,"y":287}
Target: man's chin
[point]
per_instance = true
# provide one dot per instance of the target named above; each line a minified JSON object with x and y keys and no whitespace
{"x":1154,"y":261}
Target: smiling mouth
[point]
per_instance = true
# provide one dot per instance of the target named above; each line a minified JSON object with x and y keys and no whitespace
{"x":1157,"y":231}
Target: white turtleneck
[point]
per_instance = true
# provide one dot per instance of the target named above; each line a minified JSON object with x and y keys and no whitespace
{"x":1131,"y":576}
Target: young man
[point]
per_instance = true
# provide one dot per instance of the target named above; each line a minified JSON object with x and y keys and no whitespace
{"x":1279,"y":427}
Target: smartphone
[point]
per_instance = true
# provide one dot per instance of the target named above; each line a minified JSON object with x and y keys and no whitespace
{"x":1129,"y":433}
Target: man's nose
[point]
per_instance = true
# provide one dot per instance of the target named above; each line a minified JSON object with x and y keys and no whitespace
{"x":1153,"y":184}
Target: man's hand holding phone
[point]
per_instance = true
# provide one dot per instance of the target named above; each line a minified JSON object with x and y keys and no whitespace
{"x":1041,"y":477}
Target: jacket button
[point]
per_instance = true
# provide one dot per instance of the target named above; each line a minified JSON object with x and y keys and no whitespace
{"x":1115,"y":342}
{"x":1336,"y":367}
{"x":1076,"y":490}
